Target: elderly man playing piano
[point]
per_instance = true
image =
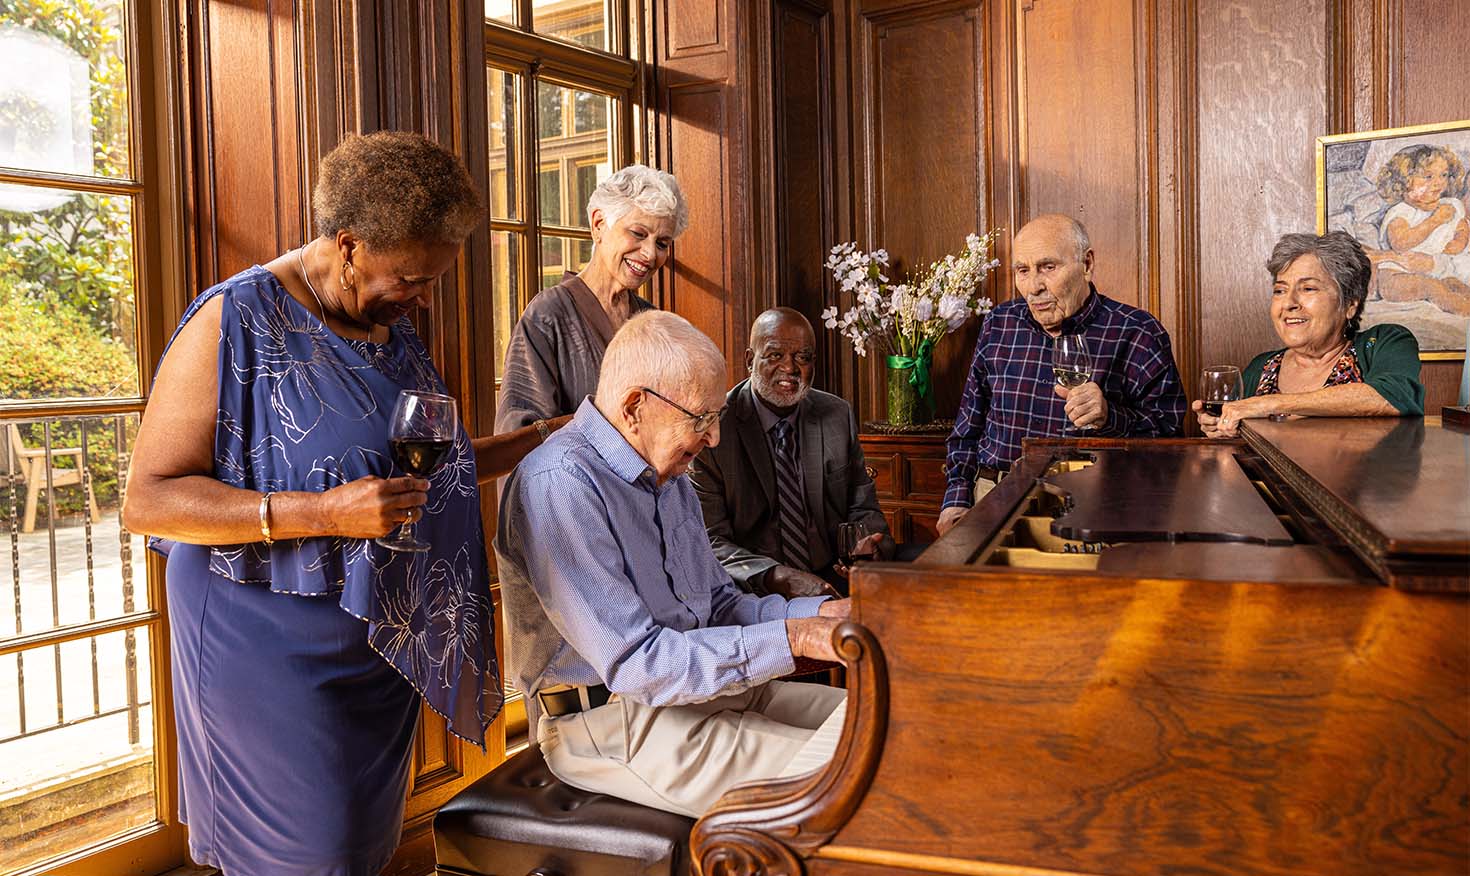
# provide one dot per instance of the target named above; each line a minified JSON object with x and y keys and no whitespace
{"x":1011,"y":392}
{"x":647,"y":672}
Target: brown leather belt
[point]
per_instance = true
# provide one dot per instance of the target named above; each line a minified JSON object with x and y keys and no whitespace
{"x":568,"y":701}
{"x":990,"y":474}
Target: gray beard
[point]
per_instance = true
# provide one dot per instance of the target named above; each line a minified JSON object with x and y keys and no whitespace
{"x":775,"y":396}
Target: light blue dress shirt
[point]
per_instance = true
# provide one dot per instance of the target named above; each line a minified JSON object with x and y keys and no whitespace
{"x":609,"y":578}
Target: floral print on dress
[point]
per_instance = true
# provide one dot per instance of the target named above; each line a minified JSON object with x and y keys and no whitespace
{"x":303,"y":409}
{"x":1344,"y":370}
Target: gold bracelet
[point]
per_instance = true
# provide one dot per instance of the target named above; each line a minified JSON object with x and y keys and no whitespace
{"x":265,"y":519}
{"x":542,"y":429}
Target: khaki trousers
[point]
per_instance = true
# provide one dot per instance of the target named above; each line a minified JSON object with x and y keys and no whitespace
{"x":682,"y":758}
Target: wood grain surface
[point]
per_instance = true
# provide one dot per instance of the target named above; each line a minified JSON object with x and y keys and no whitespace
{"x":1108,"y":726}
{"x":1405,"y":478}
{"x":1151,"y":493}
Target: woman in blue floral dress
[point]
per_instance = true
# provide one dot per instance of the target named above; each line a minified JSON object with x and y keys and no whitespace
{"x":301,"y":649}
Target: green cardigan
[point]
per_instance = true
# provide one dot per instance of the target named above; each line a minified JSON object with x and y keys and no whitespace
{"x":1389,"y":358}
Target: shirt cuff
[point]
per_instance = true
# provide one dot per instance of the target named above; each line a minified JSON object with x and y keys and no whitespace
{"x":767,"y":651}
{"x":959,"y":494}
{"x":1116,"y":423}
{"x":804,"y":606}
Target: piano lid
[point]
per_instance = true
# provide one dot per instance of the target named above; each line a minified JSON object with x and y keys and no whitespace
{"x":1396,"y":486}
{"x":1152,"y":492}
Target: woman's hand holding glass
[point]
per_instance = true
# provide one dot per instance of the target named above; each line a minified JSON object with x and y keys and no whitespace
{"x":371,"y":506}
{"x":421,"y":437}
{"x":1219,"y":407}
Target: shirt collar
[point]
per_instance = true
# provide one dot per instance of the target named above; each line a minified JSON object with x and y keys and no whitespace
{"x":1077,"y":322}
{"x":768,"y":417}
{"x":609,"y":443}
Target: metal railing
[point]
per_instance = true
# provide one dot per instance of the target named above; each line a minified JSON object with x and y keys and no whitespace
{"x":100,"y":440}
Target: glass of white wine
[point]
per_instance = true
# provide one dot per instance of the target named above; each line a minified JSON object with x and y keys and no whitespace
{"x":1071,"y":365}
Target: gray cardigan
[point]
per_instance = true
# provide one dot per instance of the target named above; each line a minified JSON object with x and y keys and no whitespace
{"x":555,"y":354}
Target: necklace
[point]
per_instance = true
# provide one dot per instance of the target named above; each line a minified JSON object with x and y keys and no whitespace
{"x":301,"y":265}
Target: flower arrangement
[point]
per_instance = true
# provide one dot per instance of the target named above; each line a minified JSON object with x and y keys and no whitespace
{"x":907,"y":319}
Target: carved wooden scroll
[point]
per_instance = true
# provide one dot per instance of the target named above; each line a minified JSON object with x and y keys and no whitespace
{"x":769,"y":828}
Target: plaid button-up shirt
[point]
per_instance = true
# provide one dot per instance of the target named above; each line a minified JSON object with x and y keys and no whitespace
{"x":1010,"y":393}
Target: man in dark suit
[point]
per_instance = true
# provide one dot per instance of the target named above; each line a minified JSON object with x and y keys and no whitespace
{"x":781,"y":439}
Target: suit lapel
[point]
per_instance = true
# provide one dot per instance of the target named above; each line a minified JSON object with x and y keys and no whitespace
{"x":753,"y":441}
{"x":812,"y":452}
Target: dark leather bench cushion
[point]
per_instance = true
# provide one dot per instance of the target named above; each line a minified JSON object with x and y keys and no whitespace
{"x":520,"y":817}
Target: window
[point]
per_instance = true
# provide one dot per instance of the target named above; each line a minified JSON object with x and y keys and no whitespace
{"x":83,"y":691}
{"x":563,"y":69}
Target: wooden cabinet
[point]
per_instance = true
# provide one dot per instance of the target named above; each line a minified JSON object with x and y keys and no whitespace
{"x":909,"y":474}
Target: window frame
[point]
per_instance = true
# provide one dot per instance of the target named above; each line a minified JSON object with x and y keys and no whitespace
{"x":534,"y":58}
{"x":154,"y":184}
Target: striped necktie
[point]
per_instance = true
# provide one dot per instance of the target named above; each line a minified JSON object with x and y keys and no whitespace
{"x":792,"y":510}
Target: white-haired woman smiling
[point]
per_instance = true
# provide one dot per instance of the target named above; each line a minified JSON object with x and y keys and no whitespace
{"x":556,"y":349}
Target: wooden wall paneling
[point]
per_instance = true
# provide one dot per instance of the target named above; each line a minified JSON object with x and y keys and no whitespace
{"x":1262,"y":101}
{"x":1174,"y":265}
{"x":1426,"y":74}
{"x":920,"y":105}
{"x":1082,"y":145}
{"x":803,"y":174}
{"x":703,"y":109}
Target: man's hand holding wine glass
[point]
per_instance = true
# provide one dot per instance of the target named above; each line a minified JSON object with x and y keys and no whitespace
{"x":1086,"y":406}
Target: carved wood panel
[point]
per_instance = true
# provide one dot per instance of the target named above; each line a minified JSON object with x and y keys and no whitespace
{"x":1080,"y":147}
{"x":700,"y":286}
{"x":1262,"y":103}
{"x":803,"y":215}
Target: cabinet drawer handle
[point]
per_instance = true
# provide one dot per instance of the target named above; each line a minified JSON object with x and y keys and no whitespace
{"x":870,"y":471}
{"x":944,"y":470}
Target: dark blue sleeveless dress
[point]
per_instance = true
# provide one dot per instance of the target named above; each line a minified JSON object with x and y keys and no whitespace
{"x":299,"y":668}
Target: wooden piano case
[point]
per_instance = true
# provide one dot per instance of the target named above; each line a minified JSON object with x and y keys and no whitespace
{"x":1214,"y":658}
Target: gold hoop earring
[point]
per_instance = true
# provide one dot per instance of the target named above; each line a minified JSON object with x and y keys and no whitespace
{"x":342,"y":278}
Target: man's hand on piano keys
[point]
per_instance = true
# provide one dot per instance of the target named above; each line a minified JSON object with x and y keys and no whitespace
{"x":812,"y":637}
{"x":838,"y":608}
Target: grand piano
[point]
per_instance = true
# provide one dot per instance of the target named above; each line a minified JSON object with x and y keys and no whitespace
{"x":1156,"y":657}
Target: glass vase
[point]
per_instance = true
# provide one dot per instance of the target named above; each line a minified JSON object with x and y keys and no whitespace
{"x":905,"y":406}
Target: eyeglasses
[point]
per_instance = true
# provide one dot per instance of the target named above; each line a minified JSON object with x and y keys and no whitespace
{"x":702,"y":422}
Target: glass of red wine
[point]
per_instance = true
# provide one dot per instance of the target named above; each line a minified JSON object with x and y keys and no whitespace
{"x":1219,"y":384}
{"x":849,"y":536}
{"x":421,"y":437}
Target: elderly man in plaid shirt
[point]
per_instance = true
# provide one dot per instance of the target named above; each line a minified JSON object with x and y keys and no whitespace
{"x":1011,"y":391}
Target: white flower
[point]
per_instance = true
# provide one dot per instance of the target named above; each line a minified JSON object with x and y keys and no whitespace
{"x":829,"y":317}
{"x":923,"y":309}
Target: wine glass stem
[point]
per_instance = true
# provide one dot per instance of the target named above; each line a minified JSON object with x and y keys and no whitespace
{"x":405,"y":532}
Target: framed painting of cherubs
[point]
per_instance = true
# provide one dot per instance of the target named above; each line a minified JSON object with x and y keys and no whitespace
{"x":1402,"y":193}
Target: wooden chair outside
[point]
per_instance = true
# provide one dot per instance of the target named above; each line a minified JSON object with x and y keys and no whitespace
{"x":32,"y":465}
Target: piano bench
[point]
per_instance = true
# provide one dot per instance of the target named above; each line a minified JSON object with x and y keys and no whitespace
{"x":520,"y":820}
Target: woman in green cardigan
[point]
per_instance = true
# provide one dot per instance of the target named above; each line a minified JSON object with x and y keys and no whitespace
{"x":1328,"y":368}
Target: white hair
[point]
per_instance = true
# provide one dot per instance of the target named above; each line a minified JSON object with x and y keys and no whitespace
{"x":660,"y":350}
{"x":655,"y":192}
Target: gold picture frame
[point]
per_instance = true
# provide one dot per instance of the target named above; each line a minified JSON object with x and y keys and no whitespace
{"x":1363,"y":187}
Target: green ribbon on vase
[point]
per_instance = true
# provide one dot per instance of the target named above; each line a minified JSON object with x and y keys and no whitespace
{"x":921,"y":363}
